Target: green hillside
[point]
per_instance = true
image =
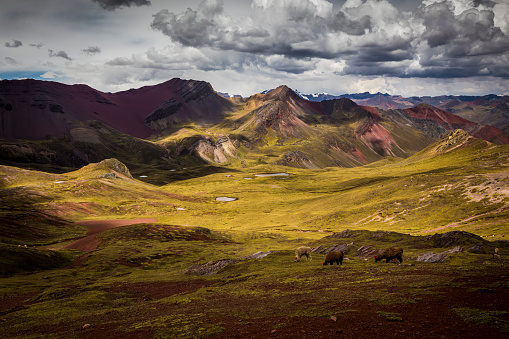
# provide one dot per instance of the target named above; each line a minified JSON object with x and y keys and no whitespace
{"x":196,"y":267}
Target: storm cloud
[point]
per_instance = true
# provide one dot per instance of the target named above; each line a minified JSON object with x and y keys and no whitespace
{"x":111,"y":5}
{"x":273,"y":27}
{"x":439,"y":38}
{"x":14,"y":44}
{"x":59,"y":54}
{"x":411,"y":47}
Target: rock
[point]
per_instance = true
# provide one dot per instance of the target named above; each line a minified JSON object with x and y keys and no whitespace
{"x":338,"y":248}
{"x":258,"y":255}
{"x":318,"y":249}
{"x":108,"y":176}
{"x":211,"y":267}
{"x":344,"y":234}
{"x":433,"y":257}
{"x":115,"y":165}
{"x":366,"y":250}
{"x":477,"y":248}
{"x":457,"y":249}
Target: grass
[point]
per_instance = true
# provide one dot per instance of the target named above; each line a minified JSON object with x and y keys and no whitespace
{"x":390,"y":316}
{"x":391,"y":202}
{"x":489,"y":318}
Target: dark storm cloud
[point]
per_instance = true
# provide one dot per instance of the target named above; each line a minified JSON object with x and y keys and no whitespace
{"x":467,"y":44}
{"x":111,"y":5}
{"x":435,"y":39}
{"x":472,"y":27}
{"x":59,"y":54}
{"x":91,"y":50}
{"x":14,"y":44}
{"x":272,"y":30}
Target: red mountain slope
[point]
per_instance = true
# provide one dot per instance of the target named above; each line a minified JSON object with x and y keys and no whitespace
{"x":33,"y":109}
{"x":427,"y":117}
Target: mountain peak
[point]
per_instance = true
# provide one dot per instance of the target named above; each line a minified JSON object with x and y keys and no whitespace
{"x":282,"y":92}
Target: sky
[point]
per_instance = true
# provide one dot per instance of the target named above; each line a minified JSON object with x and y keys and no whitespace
{"x":400,"y":47}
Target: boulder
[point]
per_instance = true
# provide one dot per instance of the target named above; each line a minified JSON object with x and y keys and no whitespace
{"x":433,"y":257}
{"x":477,"y":248}
{"x":338,"y":248}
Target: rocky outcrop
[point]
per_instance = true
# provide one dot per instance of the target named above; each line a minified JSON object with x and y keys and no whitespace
{"x":219,"y":151}
{"x":440,"y":257}
{"x":115,"y":166}
{"x":296,"y":159}
{"x":212,"y":267}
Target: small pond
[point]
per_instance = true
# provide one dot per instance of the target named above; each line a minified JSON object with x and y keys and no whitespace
{"x":272,"y":175}
{"x":225,"y":199}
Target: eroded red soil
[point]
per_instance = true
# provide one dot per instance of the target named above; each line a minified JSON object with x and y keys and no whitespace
{"x":90,"y":242}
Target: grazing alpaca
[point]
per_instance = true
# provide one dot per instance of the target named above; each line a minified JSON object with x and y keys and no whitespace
{"x":334,"y":257}
{"x":389,"y":254}
{"x":303,"y":250}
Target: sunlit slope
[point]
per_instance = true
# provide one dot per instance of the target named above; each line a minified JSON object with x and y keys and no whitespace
{"x":280,"y":128}
{"x":464,"y":188}
{"x":38,"y":208}
{"x":458,"y":183}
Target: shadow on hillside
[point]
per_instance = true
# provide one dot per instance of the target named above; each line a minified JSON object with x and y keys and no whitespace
{"x":161,"y":177}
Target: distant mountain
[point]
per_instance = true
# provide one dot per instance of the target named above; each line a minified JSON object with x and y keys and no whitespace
{"x":61,"y":126}
{"x":33,"y":109}
{"x":492,"y":110}
{"x":228,"y":95}
{"x":436,"y":122}
{"x":69,"y":126}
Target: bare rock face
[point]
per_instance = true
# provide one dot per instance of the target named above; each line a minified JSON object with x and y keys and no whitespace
{"x":433,"y":257}
{"x":219,"y":151}
{"x":297,"y":159}
{"x":114,"y":165}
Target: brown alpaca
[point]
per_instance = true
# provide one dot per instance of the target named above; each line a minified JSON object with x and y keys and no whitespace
{"x":334,"y":257}
{"x":390,"y":253}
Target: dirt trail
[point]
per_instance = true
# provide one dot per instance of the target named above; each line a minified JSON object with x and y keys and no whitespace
{"x":90,"y":241}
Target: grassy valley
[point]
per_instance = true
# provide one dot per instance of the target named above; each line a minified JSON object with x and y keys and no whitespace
{"x":167,"y":260}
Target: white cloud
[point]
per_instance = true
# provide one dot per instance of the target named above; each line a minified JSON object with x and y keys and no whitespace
{"x":372,"y":86}
{"x":50,"y":75}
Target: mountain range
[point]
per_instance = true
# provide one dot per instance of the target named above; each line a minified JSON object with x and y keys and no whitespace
{"x":490,"y":109}
{"x":186,"y":123}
